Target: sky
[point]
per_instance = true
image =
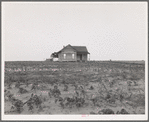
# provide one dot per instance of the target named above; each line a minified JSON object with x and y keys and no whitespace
{"x":31,"y":31}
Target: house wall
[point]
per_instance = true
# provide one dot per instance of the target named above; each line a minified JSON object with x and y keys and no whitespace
{"x":68,"y":51}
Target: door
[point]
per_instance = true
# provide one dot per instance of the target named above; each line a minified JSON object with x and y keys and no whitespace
{"x":80,"y":57}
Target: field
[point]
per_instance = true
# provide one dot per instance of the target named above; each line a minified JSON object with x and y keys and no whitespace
{"x":94,"y":87}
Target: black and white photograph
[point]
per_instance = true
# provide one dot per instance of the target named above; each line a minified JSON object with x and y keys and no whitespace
{"x":74,"y":60}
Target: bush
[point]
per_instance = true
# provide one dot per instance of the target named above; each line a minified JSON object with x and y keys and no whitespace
{"x":34,"y":100}
{"x":65,"y":88}
{"x":35,"y":86}
{"x":22,"y":91}
{"x":91,"y":88}
{"x":17,"y":85}
{"x":124,"y":75}
{"x":18,"y":105}
{"x":92,"y":112}
{"x":106,"y":111}
{"x":123,"y":111}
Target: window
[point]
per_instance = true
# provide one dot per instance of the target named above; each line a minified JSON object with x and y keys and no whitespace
{"x":72,"y":56}
{"x":64,"y":56}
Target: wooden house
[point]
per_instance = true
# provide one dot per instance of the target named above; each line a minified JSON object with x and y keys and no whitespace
{"x":73,"y":53}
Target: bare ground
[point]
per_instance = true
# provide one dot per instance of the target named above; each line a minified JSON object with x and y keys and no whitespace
{"x":110,"y":87}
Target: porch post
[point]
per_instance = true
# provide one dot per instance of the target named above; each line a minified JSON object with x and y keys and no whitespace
{"x":89,"y":57}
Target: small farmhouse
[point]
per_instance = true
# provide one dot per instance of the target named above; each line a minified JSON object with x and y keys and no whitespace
{"x":72,"y":53}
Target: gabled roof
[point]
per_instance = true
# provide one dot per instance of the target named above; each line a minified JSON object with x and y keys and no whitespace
{"x":79,"y":49}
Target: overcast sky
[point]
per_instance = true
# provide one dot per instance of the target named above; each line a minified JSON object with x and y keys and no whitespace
{"x":32,"y":31}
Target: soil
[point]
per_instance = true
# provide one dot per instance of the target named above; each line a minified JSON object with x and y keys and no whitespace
{"x":114,"y":87}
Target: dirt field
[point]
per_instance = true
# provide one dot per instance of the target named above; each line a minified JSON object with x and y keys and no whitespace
{"x":74,"y":88}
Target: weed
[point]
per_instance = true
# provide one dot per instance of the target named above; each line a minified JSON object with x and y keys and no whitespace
{"x":22,"y":91}
{"x":91,"y":88}
{"x":65,"y":87}
{"x":106,"y":111}
{"x":18,"y":105}
{"x":34,"y":100}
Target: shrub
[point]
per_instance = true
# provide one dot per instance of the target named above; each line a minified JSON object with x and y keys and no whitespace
{"x":56,"y":92}
{"x":106,"y":111}
{"x":18,"y":104}
{"x":124,"y":76}
{"x":91,"y":88}
{"x":35,"y":86}
{"x":17,"y":85}
{"x":34,"y":100}
{"x":123,"y":111}
{"x":92,"y":112}
{"x":95,"y":100}
{"x":22,"y":91}
{"x":65,"y":88}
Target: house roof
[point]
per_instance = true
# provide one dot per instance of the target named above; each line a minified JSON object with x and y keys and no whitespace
{"x":79,"y":49}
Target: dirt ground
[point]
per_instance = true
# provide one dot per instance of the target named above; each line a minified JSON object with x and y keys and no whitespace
{"x":111,"y":87}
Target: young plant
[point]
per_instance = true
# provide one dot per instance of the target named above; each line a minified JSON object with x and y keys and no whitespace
{"x":56,"y":92}
{"x":17,"y":84}
{"x":65,"y":87}
{"x":18,"y":105}
{"x":106,"y":111}
{"x":91,"y":88}
{"x":22,"y":91}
